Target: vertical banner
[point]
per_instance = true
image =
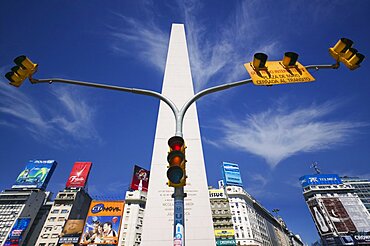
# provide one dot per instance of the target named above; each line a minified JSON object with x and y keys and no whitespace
{"x":140,"y":179}
{"x":103,"y":223}
{"x":15,"y":235}
{"x":79,"y":175}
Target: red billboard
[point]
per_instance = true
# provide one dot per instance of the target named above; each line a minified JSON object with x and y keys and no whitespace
{"x":79,"y":174}
{"x":319,"y":218}
{"x":140,"y":179}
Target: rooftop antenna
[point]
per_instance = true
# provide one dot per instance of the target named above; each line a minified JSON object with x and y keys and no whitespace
{"x":314,"y":166}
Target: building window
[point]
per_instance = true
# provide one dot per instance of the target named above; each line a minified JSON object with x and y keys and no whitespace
{"x":55,"y":211}
{"x":64,"y":211}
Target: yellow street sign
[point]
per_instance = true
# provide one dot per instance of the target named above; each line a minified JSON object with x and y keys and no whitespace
{"x":276,"y":73}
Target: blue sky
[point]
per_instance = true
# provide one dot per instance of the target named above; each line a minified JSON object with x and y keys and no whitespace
{"x":273,"y":133}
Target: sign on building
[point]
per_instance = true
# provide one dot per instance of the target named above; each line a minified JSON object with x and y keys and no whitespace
{"x":79,"y":175}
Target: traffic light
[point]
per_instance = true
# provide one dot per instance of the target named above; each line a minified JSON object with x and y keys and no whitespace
{"x":176,"y":172}
{"x":290,"y":59}
{"x":259,"y":61}
{"x":24,"y":69}
{"x":343,"y":52}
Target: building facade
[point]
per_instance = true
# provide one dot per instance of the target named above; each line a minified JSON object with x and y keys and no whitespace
{"x":340,"y":216}
{"x":68,"y":204}
{"x":361,"y":188}
{"x":133,"y":215}
{"x":222,"y":217}
{"x":19,"y":206}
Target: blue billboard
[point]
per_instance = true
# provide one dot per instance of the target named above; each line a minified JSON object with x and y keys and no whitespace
{"x":231,"y":174}
{"x":36,"y":175}
{"x":320,"y":179}
{"x":15,"y":235}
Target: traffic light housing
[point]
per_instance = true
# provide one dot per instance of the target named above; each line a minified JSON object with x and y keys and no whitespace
{"x":24,"y":69}
{"x":343,"y":52}
{"x":176,"y":172}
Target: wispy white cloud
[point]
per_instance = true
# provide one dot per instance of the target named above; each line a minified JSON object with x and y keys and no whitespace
{"x":217,"y":52}
{"x":145,"y":36}
{"x":279,"y":133}
{"x":69,"y":116}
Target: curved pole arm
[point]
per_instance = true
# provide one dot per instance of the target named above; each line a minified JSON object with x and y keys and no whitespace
{"x":200,"y":94}
{"x":112,"y":87}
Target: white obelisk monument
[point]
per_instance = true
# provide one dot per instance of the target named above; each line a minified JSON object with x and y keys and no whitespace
{"x":159,"y":214}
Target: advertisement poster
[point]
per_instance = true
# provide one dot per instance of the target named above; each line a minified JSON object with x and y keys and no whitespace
{"x":36,"y":174}
{"x":338,"y":215}
{"x":231,"y":174}
{"x":15,"y":235}
{"x":79,"y":175}
{"x":103,"y":222}
{"x":71,"y":232}
{"x":318,"y":217}
{"x":140,"y":179}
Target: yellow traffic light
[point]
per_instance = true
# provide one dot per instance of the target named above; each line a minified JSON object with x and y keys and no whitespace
{"x":290,"y":59}
{"x":259,"y":61}
{"x":176,"y":172}
{"x":24,"y":69}
{"x":343,"y":52}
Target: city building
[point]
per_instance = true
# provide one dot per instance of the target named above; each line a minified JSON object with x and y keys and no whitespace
{"x":19,"y":207}
{"x":361,"y":188}
{"x":69,"y":204}
{"x":133,"y":215}
{"x":222,"y":217}
{"x":341,"y":218}
{"x":23,"y":207}
{"x":253,"y":224}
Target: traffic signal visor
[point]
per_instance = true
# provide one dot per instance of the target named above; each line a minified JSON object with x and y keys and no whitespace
{"x":290,"y":59}
{"x":24,"y":69}
{"x":259,"y":61}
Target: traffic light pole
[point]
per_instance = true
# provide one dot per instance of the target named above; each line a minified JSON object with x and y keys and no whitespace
{"x":179,"y":194}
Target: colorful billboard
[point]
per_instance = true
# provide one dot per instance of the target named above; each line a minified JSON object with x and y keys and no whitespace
{"x":79,"y":175}
{"x":320,"y":179}
{"x":103,"y":223}
{"x":16,"y":233}
{"x":71,"y":232}
{"x":231,"y":174}
{"x":36,"y":175}
{"x":140,"y":179}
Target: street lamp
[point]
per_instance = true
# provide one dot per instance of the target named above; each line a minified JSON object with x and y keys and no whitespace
{"x":262,"y":72}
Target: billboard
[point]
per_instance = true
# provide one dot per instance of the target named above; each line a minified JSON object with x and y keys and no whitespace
{"x":231,"y":174}
{"x":338,"y":215}
{"x":320,"y":179}
{"x":36,"y":174}
{"x":79,"y":174}
{"x":71,"y":232}
{"x":140,"y":179}
{"x":16,"y":233}
{"x":103,"y":222}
